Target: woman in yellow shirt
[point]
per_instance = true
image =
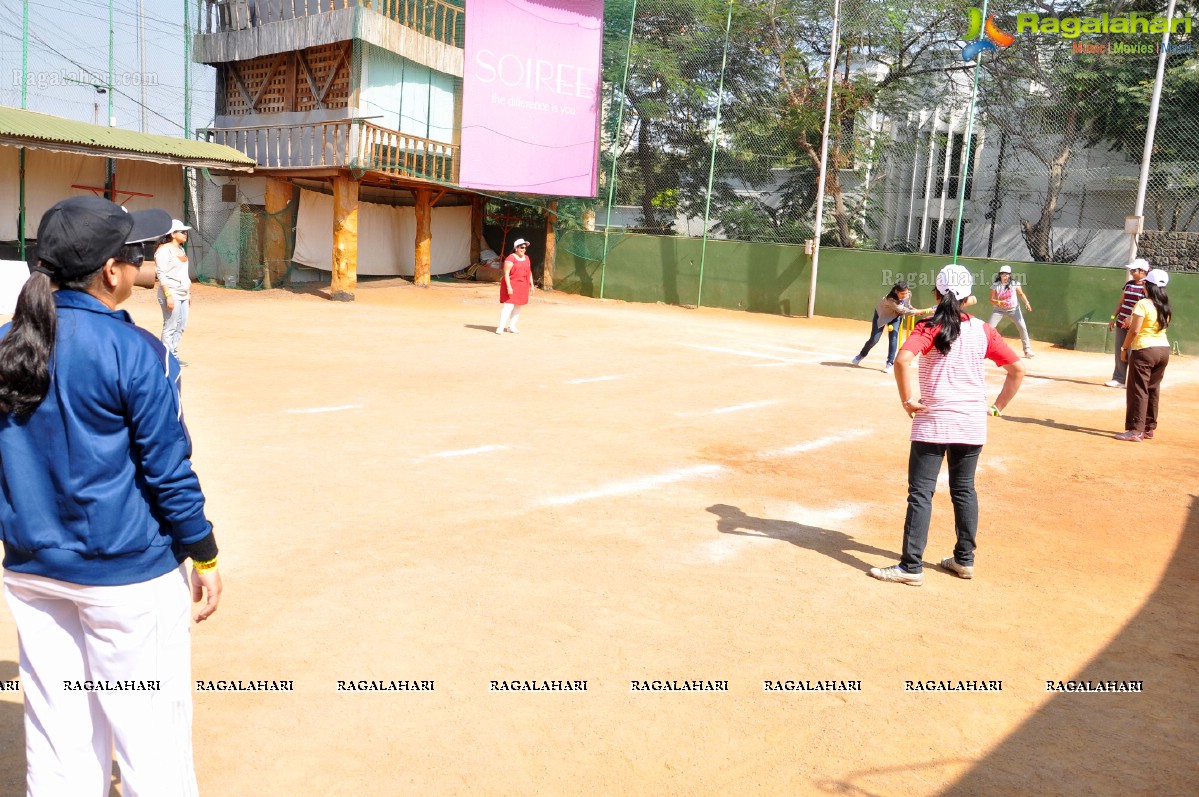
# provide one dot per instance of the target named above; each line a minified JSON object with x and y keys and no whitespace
{"x":1148,"y":352}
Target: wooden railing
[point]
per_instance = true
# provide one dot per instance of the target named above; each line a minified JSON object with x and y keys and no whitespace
{"x":402,"y":155}
{"x":436,"y":19}
{"x":344,"y":143}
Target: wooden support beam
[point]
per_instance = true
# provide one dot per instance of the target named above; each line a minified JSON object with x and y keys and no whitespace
{"x":551,"y":246}
{"x":345,"y":238}
{"x":476,"y":227}
{"x":279,"y":222}
{"x":333,"y":70}
{"x":241,"y":86}
{"x":424,"y":236}
{"x":316,"y":95}
{"x":266,"y":81}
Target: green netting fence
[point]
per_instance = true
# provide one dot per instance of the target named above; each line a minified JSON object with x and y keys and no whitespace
{"x":1031,"y":151}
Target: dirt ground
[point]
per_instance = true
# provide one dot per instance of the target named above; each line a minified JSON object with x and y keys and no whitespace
{"x":629,"y":493}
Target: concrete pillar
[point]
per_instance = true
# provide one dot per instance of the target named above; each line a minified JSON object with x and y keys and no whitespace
{"x":279,"y":222}
{"x":424,"y":235}
{"x":345,"y":238}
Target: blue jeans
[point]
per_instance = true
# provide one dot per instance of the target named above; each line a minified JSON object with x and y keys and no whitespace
{"x":173,"y":322}
{"x":876,"y":332}
{"x":924,"y":465}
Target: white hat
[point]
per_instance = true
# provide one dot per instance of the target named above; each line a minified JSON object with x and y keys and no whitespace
{"x":1140,"y":264}
{"x":520,"y":242}
{"x":956,"y":280}
{"x":1005,"y":269}
{"x":178,"y":226}
{"x":1157,"y":277}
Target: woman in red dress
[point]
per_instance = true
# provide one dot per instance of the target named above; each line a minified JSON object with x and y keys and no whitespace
{"x":515,"y":287}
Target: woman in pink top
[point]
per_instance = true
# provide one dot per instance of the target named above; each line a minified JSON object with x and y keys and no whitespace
{"x":949,"y":421}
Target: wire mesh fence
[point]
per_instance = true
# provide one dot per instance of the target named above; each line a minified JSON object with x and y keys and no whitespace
{"x":1017,"y":136}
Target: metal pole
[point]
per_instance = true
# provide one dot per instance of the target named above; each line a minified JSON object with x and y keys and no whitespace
{"x":616,"y":146}
{"x":1150,"y":131}
{"x":110,"y":63}
{"x":703,"y":252}
{"x":141,"y":59}
{"x":24,"y":104}
{"x":967,"y":155}
{"x":110,"y":164}
{"x":828,"y":112}
{"x":187,"y":58}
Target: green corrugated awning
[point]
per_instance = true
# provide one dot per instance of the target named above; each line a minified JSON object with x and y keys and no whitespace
{"x":20,"y":128}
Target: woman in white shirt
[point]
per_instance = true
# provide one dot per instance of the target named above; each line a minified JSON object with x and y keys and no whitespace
{"x":174,"y":286}
{"x":1006,"y":295}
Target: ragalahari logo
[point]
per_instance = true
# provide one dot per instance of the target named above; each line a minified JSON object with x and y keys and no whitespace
{"x":992,"y":35}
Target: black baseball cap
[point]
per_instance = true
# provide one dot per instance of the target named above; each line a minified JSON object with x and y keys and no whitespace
{"x":78,"y":235}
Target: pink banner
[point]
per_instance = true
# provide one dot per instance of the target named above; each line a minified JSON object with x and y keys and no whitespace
{"x":530,"y":96}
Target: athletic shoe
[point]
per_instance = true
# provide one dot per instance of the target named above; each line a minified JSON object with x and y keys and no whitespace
{"x":856,"y":360}
{"x":514,"y":330}
{"x":499,"y":332}
{"x":961,"y":571}
{"x":896,"y":575}
{"x":1148,"y":434}
{"x":1131,"y":436}
{"x":1028,"y":355}
{"x":1113,"y":383}
{"x":887,"y":368}
{"x":182,"y":363}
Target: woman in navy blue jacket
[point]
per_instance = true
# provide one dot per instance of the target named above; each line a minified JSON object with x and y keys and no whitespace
{"x":99,"y":512}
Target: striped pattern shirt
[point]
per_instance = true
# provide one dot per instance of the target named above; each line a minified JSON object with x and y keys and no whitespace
{"x":953,"y":386}
{"x":1133,"y":293}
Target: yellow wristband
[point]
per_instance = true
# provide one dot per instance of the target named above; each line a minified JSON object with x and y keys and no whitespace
{"x":204,"y":567}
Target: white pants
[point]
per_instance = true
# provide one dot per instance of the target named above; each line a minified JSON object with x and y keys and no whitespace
{"x":509,"y":314}
{"x":69,"y":634}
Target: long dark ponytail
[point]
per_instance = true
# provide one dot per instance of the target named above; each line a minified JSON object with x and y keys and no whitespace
{"x":1161,"y":301}
{"x":25,"y":351}
{"x":948,"y":315}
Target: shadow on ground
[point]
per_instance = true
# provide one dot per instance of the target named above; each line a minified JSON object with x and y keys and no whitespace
{"x":1118,"y":744}
{"x":836,"y":545}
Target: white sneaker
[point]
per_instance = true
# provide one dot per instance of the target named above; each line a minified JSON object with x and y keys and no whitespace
{"x":514,"y":330}
{"x":499,"y":332}
{"x":857,"y":359}
{"x":894,"y":574}
{"x":1113,"y":383}
{"x":886,"y":369}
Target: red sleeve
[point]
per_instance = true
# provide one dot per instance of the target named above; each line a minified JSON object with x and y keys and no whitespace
{"x":998,"y":351}
{"x":920,"y":340}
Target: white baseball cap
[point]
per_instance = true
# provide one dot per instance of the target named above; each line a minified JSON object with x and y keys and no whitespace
{"x":1140,"y":264}
{"x":1157,"y":277}
{"x":956,"y":280}
{"x":1005,"y":269}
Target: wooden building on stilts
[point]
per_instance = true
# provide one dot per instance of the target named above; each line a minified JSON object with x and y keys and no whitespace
{"x":352,"y":111}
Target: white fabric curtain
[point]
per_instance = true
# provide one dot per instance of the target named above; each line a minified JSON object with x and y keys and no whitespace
{"x":50,"y":175}
{"x":10,"y":193}
{"x":386,"y":237}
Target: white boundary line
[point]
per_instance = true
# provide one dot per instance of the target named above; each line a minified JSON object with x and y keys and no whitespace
{"x":328,"y":409}
{"x":812,"y":445}
{"x":591,"y":379}
{"x":636,"y":485}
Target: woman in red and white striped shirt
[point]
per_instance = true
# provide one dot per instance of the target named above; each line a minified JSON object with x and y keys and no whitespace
{"x":949,"y":420}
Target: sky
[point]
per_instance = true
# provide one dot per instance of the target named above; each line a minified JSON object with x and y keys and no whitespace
{"x":69,"y":39}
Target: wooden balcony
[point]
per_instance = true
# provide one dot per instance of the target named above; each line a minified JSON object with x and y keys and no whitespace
{"x":437,"y":19}
{"x":347,"y":143}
